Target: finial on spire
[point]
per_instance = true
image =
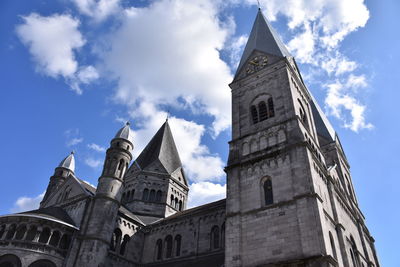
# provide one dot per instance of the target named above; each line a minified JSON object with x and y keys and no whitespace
{"x":128,"y":123}
{"x":259,"y":6}
{"x":167,"y":115}
{"x":72,"y":152}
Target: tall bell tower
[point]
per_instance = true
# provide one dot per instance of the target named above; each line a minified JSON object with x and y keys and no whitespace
{"x":274,"y":192}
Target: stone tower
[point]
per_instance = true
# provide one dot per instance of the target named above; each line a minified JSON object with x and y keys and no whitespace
{"x":285,"y":202}
{"x":100,"y":220}
{"x":63,"y":170}
{"x":155,"y":183}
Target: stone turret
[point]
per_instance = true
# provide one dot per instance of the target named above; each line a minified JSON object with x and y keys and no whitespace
{"x":104,"y":207}
{"x":61,"y":172}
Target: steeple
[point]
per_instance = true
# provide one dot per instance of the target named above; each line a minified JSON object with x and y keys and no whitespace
{"x":264,"y":39}
{"x":162,"y":148}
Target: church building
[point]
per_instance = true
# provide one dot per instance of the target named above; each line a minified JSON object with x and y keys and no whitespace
{"x":290,"y":199}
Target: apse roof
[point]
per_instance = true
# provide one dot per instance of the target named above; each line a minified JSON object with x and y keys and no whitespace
{"x":161,"y":147}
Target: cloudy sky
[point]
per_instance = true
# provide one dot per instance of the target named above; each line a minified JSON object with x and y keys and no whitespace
{"x":73,"y":71}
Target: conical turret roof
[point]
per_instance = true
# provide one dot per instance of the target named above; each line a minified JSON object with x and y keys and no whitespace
{"x":125,"y":133}
{"x":264,"y":39}
{"x":161,"y":147}
{"x":68,"y":162}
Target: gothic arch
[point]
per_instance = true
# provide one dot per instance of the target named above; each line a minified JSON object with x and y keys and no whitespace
{"x":214,"y":238}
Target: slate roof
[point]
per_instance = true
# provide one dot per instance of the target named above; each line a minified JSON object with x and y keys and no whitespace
{"x":68,"y":162}
{"x":161,"y":147}
{"x":322,"y":124}
{"x":264,"y":39}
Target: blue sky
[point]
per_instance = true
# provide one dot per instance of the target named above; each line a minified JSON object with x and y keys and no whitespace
{"x":73,"y":71}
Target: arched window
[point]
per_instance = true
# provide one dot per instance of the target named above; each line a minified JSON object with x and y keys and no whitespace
{"x":145,"y":195}
{"x":180,"y":205}
{"x":31,"y":233}
{"x":10,"y":260}
{"x":43,"y":263}
{"x":20,"y":232}
{"x":115,"y":239}
{"x":152,"y":195}
{"x":159,"y":249}
{"x":332,"y":245}
{"x":262,"y":111}
{"x":176,"y":203}
{"x":268,"y":195}
{"x":132,"y":194}
{"x":158,"y":196}
{"x":44,"y":235}
{"x":214,"y":237}
{"x":172,"y":200}
{"x":2,"y":230}
{"x":178,"y":240}
{"x":303,"y":115}
{"x":11,"y":231}
{"x":65,"y":241}
{"x":55,"y":238}
{"x":223,"y":235}
{"x":168,"y":246}
{"x":354,"y":252}
{"x":271,"y":111}
{"x":124,"y":243}
{"x":254,"y":114}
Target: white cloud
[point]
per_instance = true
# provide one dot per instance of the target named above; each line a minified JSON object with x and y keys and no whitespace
{"x":199,"y":164}
{"x":303,"y":45}
{"x":27,"y":203}
{"x":98,"y":9}
{"x":93,"y":163}
{"x":168,"y":54}
{"x":235,"y":47}
{"x":205,"y":192}
{"x":52,"y":42}
{"x":74,"y":141}
{"x":96,"y":147}
{"x":339,"y":100}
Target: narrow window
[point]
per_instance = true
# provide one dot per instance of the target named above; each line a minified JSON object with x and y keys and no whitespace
{"x":263,"y":112}
{"x":254,"y":114}
{"x":132,"y":194}
{"x":145,"y":196}
{"x":178,"y":240}
{"x":172,"y":200}
{"x":65,"y":241}
{"x":158,"y":196}
{"x":176,"y":203}
{"x":268,"y":196}
{"x":271,"y":111}
{"x":55,"y":238}
{"x":159,"y":249}
{"x":214,"y":237}
{"x":124,"y":243}
{"x":332,"y":245}
{"x":152,"y":195}
{"x":20,"y":232}
{"x":168,"y":246}
{"x":223,"y":235}
{"x":180,"y":205}
{"x":30,"y":236}
{"x":44,"y":235}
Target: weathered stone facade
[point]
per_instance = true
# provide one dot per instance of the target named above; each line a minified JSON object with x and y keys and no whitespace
{"x":290,"y":199}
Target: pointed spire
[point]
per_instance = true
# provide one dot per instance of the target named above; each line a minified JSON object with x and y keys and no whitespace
{"x":161,"y":147}
{"x":264,"y":39}
{"x":125,"y":133}
{"x":68,"y":162}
